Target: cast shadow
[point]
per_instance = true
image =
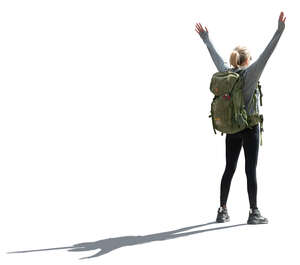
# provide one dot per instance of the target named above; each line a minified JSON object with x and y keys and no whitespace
{"x":109,"y":244}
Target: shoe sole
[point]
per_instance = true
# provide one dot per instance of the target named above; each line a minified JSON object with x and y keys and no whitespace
{"x":223,"y":221}
{"x":257,"y":222}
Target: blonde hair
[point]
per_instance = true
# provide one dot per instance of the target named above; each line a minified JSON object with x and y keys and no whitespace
{"x":239,"y":55}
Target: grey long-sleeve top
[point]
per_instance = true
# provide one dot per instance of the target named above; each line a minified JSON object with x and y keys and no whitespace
{"x":251,"y":73}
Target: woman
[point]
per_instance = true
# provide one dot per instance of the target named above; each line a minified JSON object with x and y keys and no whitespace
{"x":248,"y":138}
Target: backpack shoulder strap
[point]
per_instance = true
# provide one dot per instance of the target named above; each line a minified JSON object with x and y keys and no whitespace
{"x":240,"y":71}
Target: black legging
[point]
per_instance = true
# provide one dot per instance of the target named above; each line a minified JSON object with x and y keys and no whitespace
{"x":249,"y":139}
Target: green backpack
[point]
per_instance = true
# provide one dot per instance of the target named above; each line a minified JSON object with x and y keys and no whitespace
{"x":228,"y":112}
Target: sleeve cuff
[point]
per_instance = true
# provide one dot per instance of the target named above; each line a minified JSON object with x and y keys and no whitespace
{"x":204,"y":36}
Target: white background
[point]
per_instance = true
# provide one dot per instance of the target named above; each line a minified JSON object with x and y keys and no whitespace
{"x":104,"y":131}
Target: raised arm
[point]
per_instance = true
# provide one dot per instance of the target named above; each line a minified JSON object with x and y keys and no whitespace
{"x":255,"y":70}
{"x":217,"y":59}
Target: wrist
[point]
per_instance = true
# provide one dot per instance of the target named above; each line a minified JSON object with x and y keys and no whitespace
{"x":204,"y":36}
{"x":281,"y":26}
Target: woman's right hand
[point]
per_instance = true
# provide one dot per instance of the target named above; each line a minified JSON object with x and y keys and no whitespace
{"x":281,"y":21}
{"x":203,"y":33}
{"x":199,"y":28}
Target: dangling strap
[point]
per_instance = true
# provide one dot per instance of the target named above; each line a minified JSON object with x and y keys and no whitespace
{"x":261,"y":95}
{"x":261,"y":120}
{"x":212,"y":123}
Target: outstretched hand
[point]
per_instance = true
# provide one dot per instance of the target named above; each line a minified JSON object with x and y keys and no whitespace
{"x":199,"y":29}
{"x":281,"y":17}
{"x":281,"y":20}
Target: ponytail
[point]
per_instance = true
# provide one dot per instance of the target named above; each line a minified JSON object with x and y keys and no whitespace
{"x":238,"y":56}
{"x":235,"y":59}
